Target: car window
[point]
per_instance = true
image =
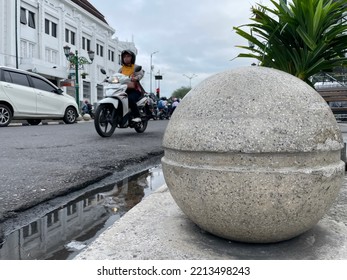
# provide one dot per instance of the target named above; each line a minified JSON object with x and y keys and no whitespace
{"x":19,"y":78}
{"x":43,"y":85}
{"x":7,"y":77}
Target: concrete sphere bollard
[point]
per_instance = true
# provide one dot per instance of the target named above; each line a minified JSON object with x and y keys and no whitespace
{"x":253,"y":155}
{"x":86,"y":117}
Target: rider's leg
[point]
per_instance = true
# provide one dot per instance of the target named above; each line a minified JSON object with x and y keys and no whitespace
{"x":133,"y":97}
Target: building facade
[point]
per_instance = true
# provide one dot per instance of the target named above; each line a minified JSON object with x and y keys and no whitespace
{"x":34,"y":32}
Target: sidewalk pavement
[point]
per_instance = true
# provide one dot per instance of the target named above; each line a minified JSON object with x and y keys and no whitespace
{"x":156,"y":229}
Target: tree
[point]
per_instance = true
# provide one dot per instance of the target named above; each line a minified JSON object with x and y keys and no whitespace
{"x":181,"y":92}
{"x":303,"y":38}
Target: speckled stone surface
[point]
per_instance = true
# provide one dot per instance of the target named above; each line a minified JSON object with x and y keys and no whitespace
{"x":253,"y":155}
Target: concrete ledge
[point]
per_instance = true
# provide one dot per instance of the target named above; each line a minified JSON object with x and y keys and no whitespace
{"x":156,"y":229}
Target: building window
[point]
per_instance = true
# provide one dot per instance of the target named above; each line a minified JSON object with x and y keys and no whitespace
{"x":88,"y":201}
{"x":30,"y":229}
{"x":73,"y":38}
{"x":23,"y":16}
{"x":27,"y":49}
{"x":111,"y":55}
{"x":50,"y":28}
{"x":85,"y":44}
{"x":31,"y":20}
{"x":70,"y":36}
{"x":27,"y":17}
{"x":52,"y":218}
{"x":54,"y":29}
{"x":71,"y":209}
{"x":99,"y":50}
{"x":47,"y":54}
{"x":51,"y":55}
{"x":47,"y":26}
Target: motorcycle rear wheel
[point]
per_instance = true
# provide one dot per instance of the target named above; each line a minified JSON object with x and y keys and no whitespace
{"x":103,"y":120}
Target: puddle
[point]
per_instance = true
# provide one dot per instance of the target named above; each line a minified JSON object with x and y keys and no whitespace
{"x":64,"y":232}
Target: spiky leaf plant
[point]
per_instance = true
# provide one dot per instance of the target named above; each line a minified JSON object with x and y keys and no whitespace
{"x":302,"y":38}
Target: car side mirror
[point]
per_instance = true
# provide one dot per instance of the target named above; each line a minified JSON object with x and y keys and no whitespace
{"x":59,"y":91}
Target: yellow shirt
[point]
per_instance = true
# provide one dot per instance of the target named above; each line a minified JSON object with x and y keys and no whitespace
{"x":128,"y":70}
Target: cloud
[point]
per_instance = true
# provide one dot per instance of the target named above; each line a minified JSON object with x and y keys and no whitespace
{"x":191,"y":37}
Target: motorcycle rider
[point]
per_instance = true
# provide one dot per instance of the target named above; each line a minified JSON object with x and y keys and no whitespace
{"x":163,"y":106}
{"x":134,"y":89}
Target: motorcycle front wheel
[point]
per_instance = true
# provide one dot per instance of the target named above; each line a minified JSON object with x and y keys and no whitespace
{"x":141,"y":127}
{"x":104,"y":120}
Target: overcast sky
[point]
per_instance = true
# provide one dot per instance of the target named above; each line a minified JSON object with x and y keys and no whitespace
{"x":192,"y":37}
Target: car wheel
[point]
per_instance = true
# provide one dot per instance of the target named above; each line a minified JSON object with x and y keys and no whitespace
{"x":70,"y":115}
{"x":33,"y":122}
{"x":5,"y":115}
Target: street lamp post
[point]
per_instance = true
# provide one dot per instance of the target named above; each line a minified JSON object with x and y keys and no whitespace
{"x":190,"y":78}
{"x":150,"y":78}
{"x":77,"y":61}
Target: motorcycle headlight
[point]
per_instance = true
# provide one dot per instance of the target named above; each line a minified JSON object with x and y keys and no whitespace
{"x":114,"y":80}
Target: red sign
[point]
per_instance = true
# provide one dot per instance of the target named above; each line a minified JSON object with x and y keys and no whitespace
{"x":67,"y":83}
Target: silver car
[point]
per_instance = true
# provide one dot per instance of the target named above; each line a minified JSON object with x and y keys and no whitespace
{"x":28,"y":96}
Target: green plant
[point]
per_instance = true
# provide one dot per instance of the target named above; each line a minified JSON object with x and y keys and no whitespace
{"x":180,"y":92}
{"x":303,"y":38}
{"x":84,"y":75}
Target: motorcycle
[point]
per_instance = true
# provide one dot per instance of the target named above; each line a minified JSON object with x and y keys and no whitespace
{"x":163,"y":114}
{"x":113,"y":111}
{"x":152,"y":104}
{"x":163,"y":110}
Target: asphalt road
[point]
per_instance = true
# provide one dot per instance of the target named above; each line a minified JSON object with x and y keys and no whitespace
{"x":38,"y":163}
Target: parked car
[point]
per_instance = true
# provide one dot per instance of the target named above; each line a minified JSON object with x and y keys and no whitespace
{"x":28,"y":96}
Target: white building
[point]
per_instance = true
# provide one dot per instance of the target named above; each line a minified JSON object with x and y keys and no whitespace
{"x":34,"y":32}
